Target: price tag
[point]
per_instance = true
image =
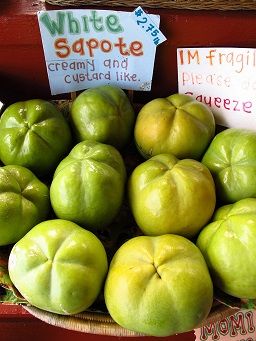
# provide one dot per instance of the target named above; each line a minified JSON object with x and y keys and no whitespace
{"x":148,"y":26}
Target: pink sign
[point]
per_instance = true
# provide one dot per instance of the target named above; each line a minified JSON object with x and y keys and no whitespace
{"x":238,"y":327}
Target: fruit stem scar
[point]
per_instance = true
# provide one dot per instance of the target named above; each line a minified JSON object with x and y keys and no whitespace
{"x":157,"y":273}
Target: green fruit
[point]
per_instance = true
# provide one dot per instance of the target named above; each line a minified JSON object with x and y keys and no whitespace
{"x":168,"y":195}
{"x":24,"y":203}
{"x":178,"y":124}
{"x":88,"y":185}
{"x":158,"y":286}
{"x":228,"y":244}
{"x":103,"y":114}
{"x":231,"y":158}
{"x":34,"y":134}
{"x":58,"y":267}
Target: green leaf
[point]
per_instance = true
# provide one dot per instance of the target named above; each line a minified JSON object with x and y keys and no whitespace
{"x":248,"y":304}
{"x":8,"y":296}
{"x":8,"y":292}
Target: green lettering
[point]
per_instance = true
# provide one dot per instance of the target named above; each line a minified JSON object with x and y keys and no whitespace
{"x":113,"y":25}
{"x":73,"y":24}
{"x":54,"y":27}
{"x":85,"y":23}
{"x":96,"y":22}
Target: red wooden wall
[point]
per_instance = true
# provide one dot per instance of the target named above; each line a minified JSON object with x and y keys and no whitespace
{"x":22,"y":68}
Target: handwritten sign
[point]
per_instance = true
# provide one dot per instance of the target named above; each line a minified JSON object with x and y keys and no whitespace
{"x":238,"y":327}
{"x":87,"y":48}
{"x":145,"y":23}
{"x":222,"y":78}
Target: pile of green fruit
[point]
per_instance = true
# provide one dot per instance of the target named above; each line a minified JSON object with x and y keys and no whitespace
{"x":191,"y":193}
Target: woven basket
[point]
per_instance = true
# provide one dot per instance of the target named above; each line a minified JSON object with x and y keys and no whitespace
{"x":171,"y":4}
{"x":98,"y":321}
{"x":103,"y":324}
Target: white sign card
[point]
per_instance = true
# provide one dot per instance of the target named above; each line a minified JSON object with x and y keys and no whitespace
{"x":88,"y":48}
{"x":222,"y":78}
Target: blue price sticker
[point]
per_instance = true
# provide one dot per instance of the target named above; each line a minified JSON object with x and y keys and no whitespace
{"x":144,"y":21}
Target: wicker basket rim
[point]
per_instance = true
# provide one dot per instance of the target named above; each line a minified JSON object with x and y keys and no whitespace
{"x":103,"y":324}
{"x":171,"y":4}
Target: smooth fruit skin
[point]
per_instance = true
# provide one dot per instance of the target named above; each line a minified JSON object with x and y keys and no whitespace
{"x":158,"y":286}
{"x":24,"y":202}
{"x":168,"y":195}
{"x":58,"y":267}
{"x":88,"y":185}
{"x":231,"y":158}
{"x":103,"y":114}
{"x":34,"y":134}
{"x":228,"y":245}
{"x":178,"y":124}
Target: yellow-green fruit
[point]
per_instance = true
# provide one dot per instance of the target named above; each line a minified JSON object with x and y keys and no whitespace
{"x":231,"y":158}
{"x":59,"y":267}
{"x":228,"y":245}
{"x":89,"y":184}
{"x":168,"y":195}
{"x":158,"y":286}
{"x":34,"y":134}
{"x":178,"y":124}
{"x":103,"y":114}
{"x":25,"y":202}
